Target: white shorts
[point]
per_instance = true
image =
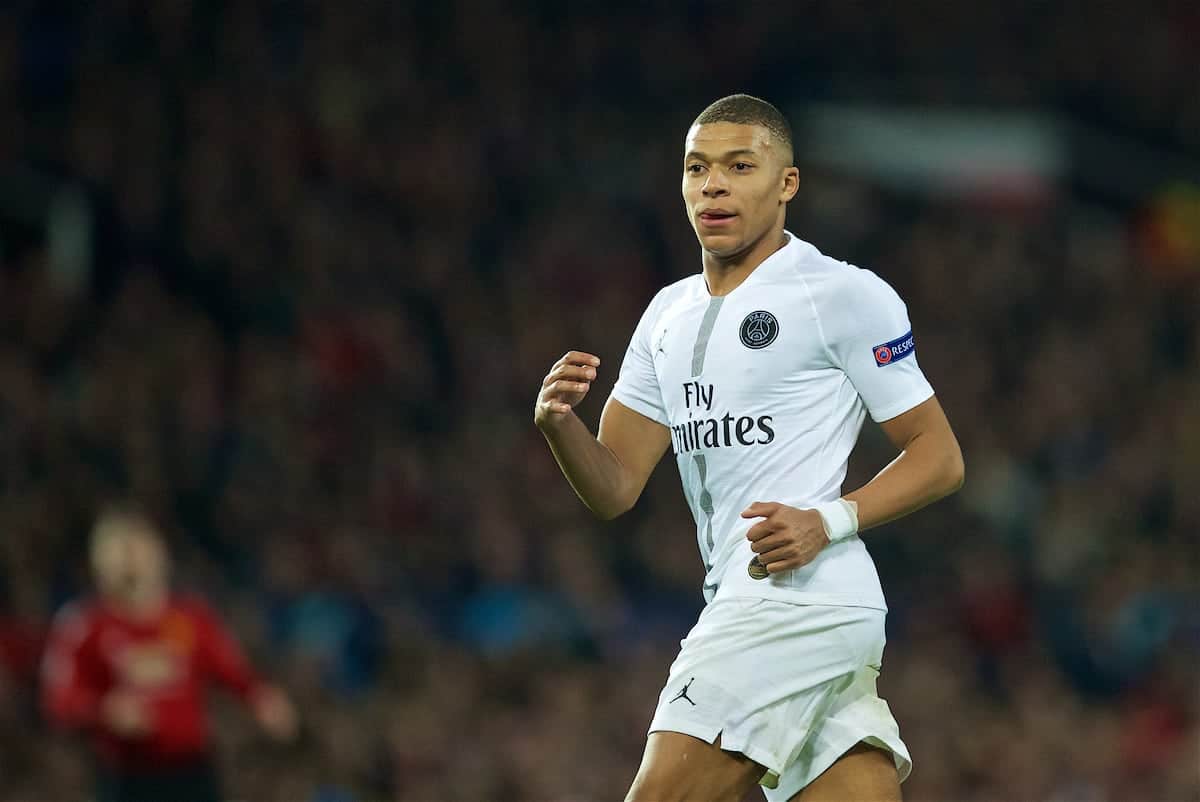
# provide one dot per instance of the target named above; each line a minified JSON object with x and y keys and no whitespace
{"x":790,"y":686}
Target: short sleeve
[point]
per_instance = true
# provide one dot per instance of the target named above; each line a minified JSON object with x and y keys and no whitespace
{"x":637,"y":384}
{"x":71,"y":679}
{"x":868,"y":332}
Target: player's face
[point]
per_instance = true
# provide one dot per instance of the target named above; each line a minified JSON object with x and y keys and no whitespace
{"x":736,"y":185}
{"x":130,"y":564}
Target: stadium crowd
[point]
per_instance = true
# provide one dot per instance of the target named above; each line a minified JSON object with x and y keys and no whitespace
{"x":335,"y":254}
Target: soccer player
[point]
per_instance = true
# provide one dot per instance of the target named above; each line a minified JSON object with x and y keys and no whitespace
{"x":759,"y":371}
{"x":132,"y":667}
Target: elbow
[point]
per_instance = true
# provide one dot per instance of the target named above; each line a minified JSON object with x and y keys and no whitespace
{"x":613,"y":508}
{"x":609,"y":512}
{"x":956,"y":471}
{"x":61,"y":717}
{"x":51,"y":715}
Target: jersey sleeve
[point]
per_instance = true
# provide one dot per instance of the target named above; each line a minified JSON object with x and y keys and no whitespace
{"x":70,"y":681}
{"x":870,"y":338}
{"x":637,"y":384}
{"x":221,"y":658}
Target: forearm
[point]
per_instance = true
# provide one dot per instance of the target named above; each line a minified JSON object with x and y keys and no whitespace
{"x":221,"y":657}
{"x":70,"y":685}
{"x":929,"y":468}
{"x":72,"y":708}
{"x":596,"y":475}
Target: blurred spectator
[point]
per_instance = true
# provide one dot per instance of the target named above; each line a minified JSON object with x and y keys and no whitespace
{"x":131,"y":670}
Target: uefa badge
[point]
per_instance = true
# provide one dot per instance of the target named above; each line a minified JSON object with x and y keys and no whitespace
{"x":894,"y":350}
{"x":757,"y":570}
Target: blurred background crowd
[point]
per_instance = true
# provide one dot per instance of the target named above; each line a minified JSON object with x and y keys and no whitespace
{"x":313,"y":259}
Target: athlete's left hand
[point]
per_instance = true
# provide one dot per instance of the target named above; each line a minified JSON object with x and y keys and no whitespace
{"x":787,"y":538}
{"x":275,"y":713}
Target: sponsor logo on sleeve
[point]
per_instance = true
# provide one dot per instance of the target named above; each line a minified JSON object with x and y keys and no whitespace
{"x":893,"y":351}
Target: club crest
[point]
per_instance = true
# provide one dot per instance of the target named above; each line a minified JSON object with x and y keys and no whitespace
{"x":759,"y":329}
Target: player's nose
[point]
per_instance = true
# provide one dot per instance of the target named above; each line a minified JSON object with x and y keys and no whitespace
{"x":715,"y":185}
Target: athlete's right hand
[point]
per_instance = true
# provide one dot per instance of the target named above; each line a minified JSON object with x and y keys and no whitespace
{"x":564,"y":387}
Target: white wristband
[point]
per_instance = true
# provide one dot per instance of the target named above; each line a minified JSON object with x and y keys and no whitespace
{"x":840,"y":518}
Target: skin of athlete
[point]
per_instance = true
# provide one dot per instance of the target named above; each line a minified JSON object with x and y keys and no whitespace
{"x":737,"y":181}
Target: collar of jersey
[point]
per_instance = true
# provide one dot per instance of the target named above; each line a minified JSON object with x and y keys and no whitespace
{"x":789,"y":252}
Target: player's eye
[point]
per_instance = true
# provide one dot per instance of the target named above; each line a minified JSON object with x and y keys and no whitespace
{"x":694,"y":169}
{"x":741,"y":167}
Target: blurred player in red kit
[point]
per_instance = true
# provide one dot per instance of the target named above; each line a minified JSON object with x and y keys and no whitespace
{"x":131,"y":669}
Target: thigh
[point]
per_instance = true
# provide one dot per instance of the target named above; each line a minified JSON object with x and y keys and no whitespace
{"x":679,"y":768}
{"x":864,"y":774}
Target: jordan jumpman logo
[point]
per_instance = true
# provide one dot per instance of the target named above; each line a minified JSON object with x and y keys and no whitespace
{"x":683,"y":693}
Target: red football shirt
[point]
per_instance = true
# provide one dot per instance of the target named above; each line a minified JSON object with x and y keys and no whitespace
{"x":169,"y":661}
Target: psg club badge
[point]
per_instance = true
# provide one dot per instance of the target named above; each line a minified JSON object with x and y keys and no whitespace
{"x":759,"y":330}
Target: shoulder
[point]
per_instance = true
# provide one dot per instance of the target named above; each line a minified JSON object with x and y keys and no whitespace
{"x":679,"y":290}
{"x":193,"y":605}
{"x":75,"y":619}
{"x":836,"y":285}
{"x":672,"y":294}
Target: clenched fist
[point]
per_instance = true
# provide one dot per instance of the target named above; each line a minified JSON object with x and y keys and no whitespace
{"x":786,"y":538}
{"x":564,"y":387}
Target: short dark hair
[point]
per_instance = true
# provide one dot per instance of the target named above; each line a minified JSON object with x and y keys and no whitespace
{"x":123,"y":516}
{"x":749,"y":110}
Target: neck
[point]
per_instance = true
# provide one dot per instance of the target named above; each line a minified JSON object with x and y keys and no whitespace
{"x":724,"y":274}
{"x":140,"y":605}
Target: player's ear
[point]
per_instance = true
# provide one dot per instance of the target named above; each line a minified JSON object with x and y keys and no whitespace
{"x":791,"y":183}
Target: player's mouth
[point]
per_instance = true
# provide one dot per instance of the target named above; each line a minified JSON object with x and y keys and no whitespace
{"x":716,"y":218}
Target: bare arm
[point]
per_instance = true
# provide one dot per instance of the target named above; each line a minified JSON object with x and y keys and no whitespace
{"x":930,"y":466}
{"x":224,"y":662}
{"x":608,"y":473}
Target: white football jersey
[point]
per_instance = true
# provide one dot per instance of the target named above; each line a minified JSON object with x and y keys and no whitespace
{"x":765,"y":391}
